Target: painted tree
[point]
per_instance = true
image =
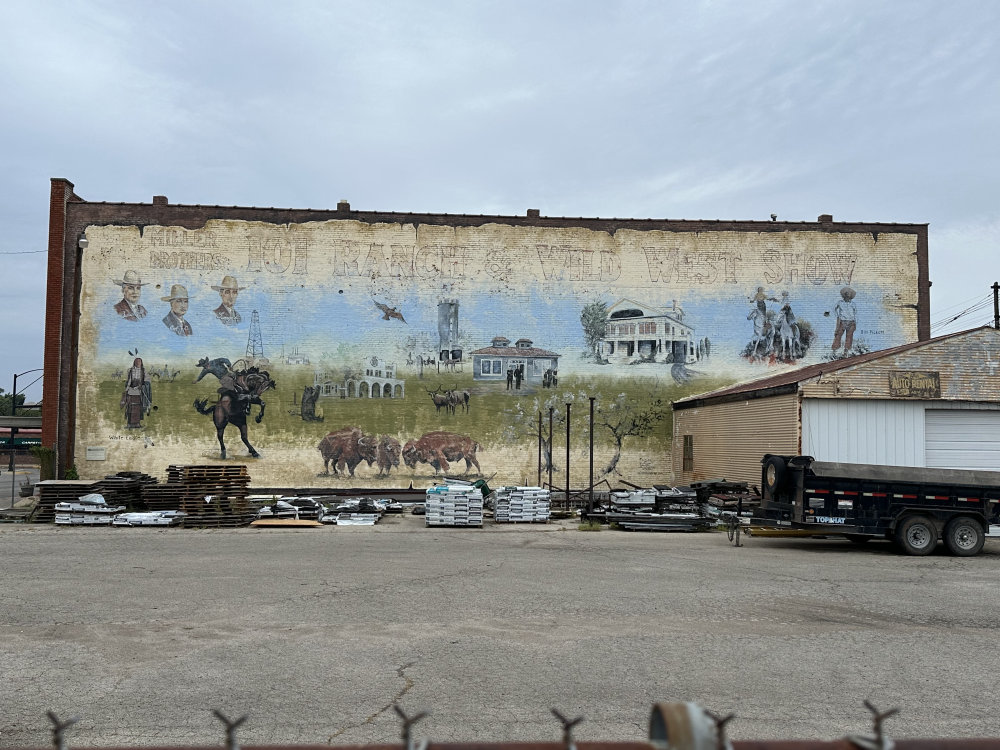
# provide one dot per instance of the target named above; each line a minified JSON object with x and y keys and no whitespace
{"x":625,"y":417}
{"x":594,"y":319}
{"x":522,"y":422}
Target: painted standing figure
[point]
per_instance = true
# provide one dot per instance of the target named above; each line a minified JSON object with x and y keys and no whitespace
{"x":847,"y":319}
{"x":137,"y":396}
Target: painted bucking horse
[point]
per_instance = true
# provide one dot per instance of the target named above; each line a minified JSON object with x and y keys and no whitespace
{"x":240,"y":390}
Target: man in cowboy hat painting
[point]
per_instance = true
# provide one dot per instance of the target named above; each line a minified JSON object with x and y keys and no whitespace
{"x":228,"y":290}
{"x":129,"y":307}
{"x":174,"y":320}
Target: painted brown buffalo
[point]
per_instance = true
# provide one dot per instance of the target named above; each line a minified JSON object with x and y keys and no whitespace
{"x":438,"y":448}
{"x":346,"y":448}
{"x":387,"y":454}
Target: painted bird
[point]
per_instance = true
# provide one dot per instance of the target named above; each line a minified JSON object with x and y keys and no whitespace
{"x":389,"y":312}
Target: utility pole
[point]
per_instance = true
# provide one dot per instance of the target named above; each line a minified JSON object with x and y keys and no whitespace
{"x":996,"y":304}
{"x":567,"y":454}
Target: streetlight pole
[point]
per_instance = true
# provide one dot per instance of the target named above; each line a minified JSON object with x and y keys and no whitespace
{"x":13,"y":430}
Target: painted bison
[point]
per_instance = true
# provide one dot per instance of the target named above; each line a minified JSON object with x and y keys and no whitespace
{"x":438,"y":448}
{"x":346,"y":448}
{"x":387,"y":454}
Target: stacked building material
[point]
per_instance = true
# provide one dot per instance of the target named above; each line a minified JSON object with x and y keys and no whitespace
{"x":522,"y":505}
{"x":149,"y":518}
{"x":54,"y":491}
{"x":212,"y":496}
{"x":206,"y":496}
{"x":88,"y":510}
{"x":453,"y":505}
{"x":126,"y":488}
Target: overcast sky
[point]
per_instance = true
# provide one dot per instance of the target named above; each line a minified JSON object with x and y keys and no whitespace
{"x":870,"y":111}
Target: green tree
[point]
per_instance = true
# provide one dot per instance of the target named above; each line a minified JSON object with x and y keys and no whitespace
{"x":594,"y":319}
{"x":5,"y":402}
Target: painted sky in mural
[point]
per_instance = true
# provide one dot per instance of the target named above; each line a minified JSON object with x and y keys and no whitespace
{"x":322,"y":294}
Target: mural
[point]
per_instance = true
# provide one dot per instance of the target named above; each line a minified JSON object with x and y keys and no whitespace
{"x":390,"y":354}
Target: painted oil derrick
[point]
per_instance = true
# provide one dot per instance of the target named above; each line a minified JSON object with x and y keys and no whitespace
{"x":255,"y":345}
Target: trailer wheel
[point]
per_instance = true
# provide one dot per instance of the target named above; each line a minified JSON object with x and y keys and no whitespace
{"x":774,"y":474}
{"x":964,"y":536}
{"x":917,"y":535}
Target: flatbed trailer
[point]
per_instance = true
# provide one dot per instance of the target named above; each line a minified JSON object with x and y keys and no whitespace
{"x":915,"y":507}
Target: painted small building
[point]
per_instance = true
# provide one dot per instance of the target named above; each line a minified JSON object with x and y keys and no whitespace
{"x":493,"y":362}
{"x":933,"y":403}
{"x":376,"y":379}
{"x":638,"y":331}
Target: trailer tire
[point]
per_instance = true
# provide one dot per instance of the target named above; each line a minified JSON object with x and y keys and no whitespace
{"x":917,"y":535}
{"x":963,"y":536}
{"x":774,"y":474}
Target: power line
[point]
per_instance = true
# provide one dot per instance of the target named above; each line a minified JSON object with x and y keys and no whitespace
{"x":972,"y":301}
{"x":975,"y":308}
{"x":22,"y":252}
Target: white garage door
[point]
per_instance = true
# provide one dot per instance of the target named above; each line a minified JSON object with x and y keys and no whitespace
{"x":962,"y":439}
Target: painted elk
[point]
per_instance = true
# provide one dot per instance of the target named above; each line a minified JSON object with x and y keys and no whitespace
{"x":438,"y":448}
{"x":441,"y":400}
{"x":457,"y":398}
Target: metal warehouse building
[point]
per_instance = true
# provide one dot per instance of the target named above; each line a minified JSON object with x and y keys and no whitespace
{"x":933,"y":403}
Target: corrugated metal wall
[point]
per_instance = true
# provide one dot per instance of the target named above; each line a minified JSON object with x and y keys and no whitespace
{"x":968,"y":367}
{"x":729,"y":439}
{"x":963,"y":438}
{"x":868,"y":431}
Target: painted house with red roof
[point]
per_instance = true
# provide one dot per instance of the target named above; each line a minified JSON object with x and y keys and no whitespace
{"x":493,"y":362}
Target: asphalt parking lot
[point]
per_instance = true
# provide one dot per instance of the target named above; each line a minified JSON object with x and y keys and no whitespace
{"x":314,"y":634}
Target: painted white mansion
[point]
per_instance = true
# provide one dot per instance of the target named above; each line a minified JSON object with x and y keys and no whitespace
{"x":636,"y":331}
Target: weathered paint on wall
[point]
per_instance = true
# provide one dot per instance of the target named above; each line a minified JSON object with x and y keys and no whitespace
{"x":967,"y":367}
{"x":378,"y":336}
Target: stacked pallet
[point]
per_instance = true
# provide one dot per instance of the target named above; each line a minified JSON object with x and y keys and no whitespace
{"x":211,"y":496}
{"x":522,"y":505}
{"x":126,"y":488}
{"x":205,"y":496}
{"x":51,"y":492}
{"x":453,"y":505}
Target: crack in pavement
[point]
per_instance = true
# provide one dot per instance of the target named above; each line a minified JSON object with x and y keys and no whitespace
{"x":408,"y":683}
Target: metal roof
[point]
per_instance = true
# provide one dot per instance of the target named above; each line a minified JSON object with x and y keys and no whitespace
{"x":785,"y":380}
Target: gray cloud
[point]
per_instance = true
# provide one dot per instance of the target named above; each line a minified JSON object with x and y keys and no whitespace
{"x":672,"y":110}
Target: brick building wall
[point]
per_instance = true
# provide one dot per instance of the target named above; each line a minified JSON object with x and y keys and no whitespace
{"x":335,"y":288}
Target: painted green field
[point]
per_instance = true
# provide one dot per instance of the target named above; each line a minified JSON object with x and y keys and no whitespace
{"x":495,"y":414}
{"x":632,"y":420}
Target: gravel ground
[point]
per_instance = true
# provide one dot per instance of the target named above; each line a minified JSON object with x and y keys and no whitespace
{"x":314,"y":634}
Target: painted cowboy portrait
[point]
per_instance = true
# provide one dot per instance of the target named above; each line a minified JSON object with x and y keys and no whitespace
{"x":129,"y":307}
{"x":228,"y":291}
{"x":174,"y":319}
